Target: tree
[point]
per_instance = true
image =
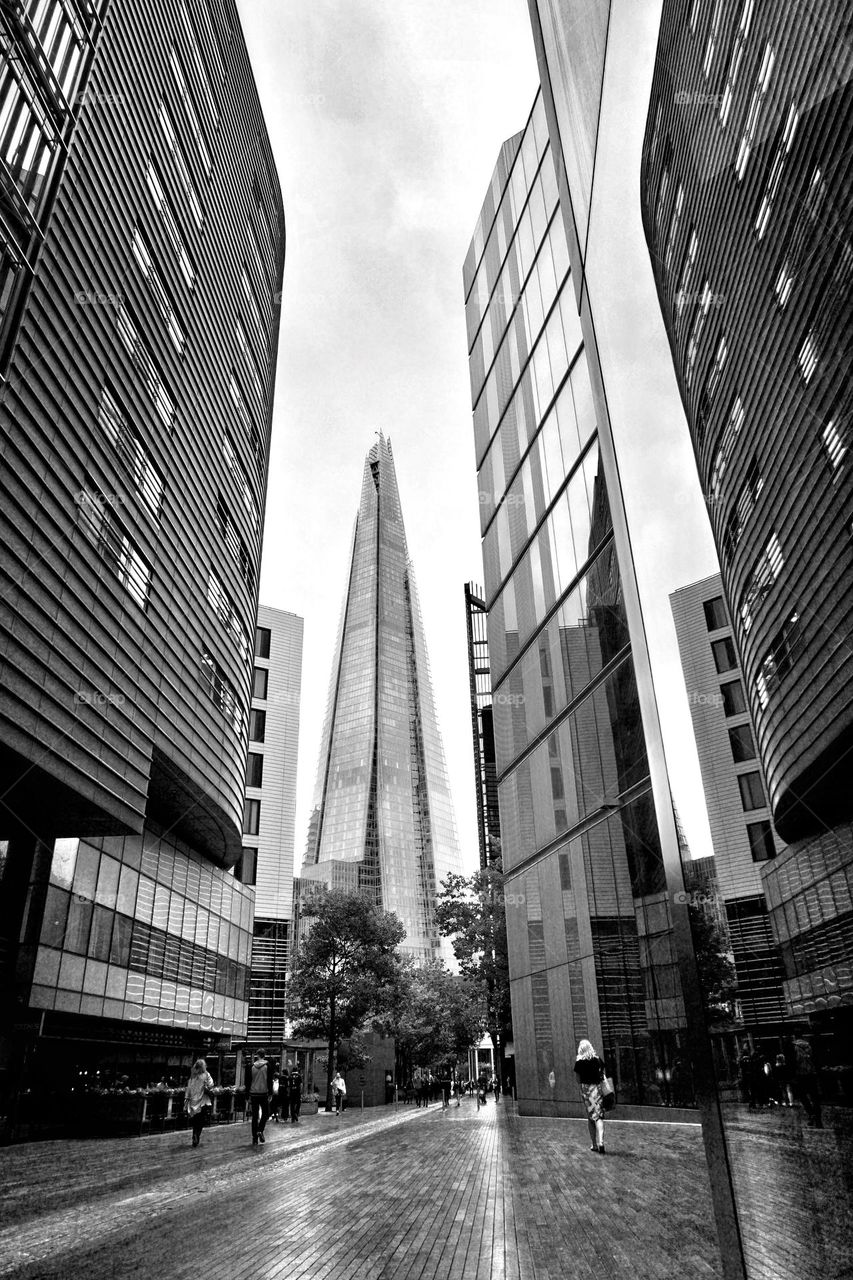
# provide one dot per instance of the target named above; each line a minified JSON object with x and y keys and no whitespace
{"x":347,"y":970}
{"x":715,"y":962}
{"x":471,"y":911}
{"x":435,"y":1016}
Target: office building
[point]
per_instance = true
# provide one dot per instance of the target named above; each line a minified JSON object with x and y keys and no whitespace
{"x":143,"y":251}
{"x":270,"y":813}
{"x":589,"y":920}
{"x":382,"y":799}
{"x":482,"y":726}
{"x":735,"y":794}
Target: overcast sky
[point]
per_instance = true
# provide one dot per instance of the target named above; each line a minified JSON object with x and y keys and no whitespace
{"x":386,"y":119}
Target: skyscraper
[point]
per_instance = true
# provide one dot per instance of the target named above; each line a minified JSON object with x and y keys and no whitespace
{"x":578,"y":755}
{"x":143,"y":251}
{"x":382,"y":798}
{"x":270,"y":812}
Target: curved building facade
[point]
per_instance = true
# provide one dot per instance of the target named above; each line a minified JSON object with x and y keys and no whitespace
{"x":143,"y":251}
{"x":746,"y":178}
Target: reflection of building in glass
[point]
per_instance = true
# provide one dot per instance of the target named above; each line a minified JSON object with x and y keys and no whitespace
{"x":590,"y":936}
{"x":482,"y":724}
{"x":135,"y":414}
{"x":269,"y":814}
{"x":382,"y":799}
{"x":741,"y":830}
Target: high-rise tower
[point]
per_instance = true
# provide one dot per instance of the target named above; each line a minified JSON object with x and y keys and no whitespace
{"x":382,"y":798}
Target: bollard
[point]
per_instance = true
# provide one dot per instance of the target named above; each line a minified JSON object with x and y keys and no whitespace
{"x":362,"y":1099}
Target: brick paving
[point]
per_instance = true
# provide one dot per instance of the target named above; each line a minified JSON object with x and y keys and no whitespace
{"x":378,"y":1195}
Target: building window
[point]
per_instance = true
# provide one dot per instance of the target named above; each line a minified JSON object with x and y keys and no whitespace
{"x":167,"y":124}
{"x":254,"y":308}
{"x":715,"y":614}
{"x":246,"y":419}
{"x":734,"y":700}
{"x":170,"y":224}
{"x":808,"y":230}
{"x":164,"y":303}
{"x":751,"y":790}
{"x":263,"y":635}
{"x":713,"y":36}
{"x":726,"y":445}
{"x":255,"y":769}
{"x":762,"y":846}
{"x":226,"y":612}
{"x":257,"y":725}
{"x":743,"y":508}
{"x":252,"y":817}
{"x":742,"y":745}
{"x":102,"y":525}
{"x":765,"y":573}
{"x":131,"y":451}
{"x":235,"y":543}
{"x":712,"y":386}
{"x":198,"y":63}
{"x":760,"y":93}
{"x":663,"y":188}
{"x":189,"y":108}
{"x":725,"y":658}
{"x":221,"y":690}
{"x":696,"y":332}
{"x":141,"y":357}
{"x":835,"y":444}
{"x":773,"y":181}
{"x":242,"y":482}
{"x":779,"y":658}
{"x":260,"y":683}
{"x":251,"y":364}
{"x":246,"y":870}
{"x":784,"y":285}
{"x":809,"y":356}
{"x":672,"y":233}
{"x":735,"y":60}
{"x":681,"y":298}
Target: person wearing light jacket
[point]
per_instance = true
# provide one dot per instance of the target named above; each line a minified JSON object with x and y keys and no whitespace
{"x":198,"y":1098}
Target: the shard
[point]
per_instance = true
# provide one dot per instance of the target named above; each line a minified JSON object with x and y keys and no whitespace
{"x":382,"y":799}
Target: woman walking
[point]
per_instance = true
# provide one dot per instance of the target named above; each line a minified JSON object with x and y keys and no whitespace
{"x":590,"y":1071}
{"x":199,"y":1098}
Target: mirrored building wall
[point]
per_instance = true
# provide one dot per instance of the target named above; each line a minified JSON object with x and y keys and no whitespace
{"x":588,"y":912}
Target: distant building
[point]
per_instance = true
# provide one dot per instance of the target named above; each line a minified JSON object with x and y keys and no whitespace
{"x":482,"y":725}
{"x":138,"y":339}
{"x":270,"y":813}
{"x":741,"y":828}
{"x":382,"y":800}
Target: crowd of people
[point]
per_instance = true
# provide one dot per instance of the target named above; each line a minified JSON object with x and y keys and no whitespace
{"x":782,"y":1079}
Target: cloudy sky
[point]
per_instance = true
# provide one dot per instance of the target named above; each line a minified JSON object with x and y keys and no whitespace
{"x":386,"y":120}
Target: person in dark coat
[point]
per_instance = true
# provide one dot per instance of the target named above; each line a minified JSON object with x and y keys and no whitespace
{"x":260,"y":1089}
{"x":590,"y":1071}
{"x":294,"y":1093}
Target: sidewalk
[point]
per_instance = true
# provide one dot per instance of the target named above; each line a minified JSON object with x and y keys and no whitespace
{"x":416,"y":1195}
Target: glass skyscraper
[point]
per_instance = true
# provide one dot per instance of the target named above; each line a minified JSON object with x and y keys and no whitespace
{"x":589,"y":919}
{"x":382,"y":798}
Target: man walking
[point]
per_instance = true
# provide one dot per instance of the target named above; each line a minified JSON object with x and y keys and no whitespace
{"x":260,"y":1088}
{"x":294,"y":1090}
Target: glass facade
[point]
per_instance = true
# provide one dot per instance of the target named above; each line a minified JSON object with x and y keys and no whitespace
{"x":382,"y":798}
{"x":142,"y":929}
{"x":588,"y":917}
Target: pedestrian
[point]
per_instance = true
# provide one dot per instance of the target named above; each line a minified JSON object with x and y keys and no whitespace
{"x":482,"y":1085}
{"x":198,"y":1098}
{"x":294,"y":1092}
{"x":275,"y":1097}
{"x":590,"y":1071}
{"x":782,"y":1073}
{"x":446,"y":1083}
{"x":260,"y":1090}
{"x":339,"y":1092}
{"x":806,"y":1082}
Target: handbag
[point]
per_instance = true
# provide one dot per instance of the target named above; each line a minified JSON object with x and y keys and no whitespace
{"x":608,"y":1093}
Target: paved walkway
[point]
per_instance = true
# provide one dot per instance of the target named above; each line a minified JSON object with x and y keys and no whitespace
{"x":378,"y":1195}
